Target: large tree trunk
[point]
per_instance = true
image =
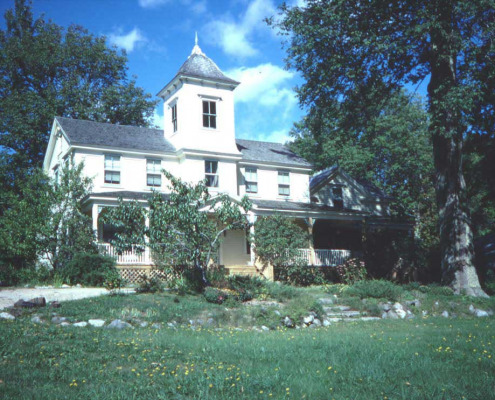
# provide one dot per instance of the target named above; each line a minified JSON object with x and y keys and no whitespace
{"x":456,"y":237}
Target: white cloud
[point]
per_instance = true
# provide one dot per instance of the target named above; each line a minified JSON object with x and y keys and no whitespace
{"x":279,"y":136}
{"x":151,"y":3}
{"x":127,"y":41}
{"x":158,"y":120}
{"x":235,"y":36}
{"x":266,"y":84}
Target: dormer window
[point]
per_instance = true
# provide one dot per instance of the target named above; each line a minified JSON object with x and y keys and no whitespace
{"x":251,"y":180}
{"x":337,"y":197}
{"x":174,"y":117}
{"x":209,"y":114}
{"x":211,"y":173}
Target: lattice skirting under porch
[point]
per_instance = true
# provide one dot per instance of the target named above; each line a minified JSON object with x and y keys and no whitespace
{"x":135,"y":274}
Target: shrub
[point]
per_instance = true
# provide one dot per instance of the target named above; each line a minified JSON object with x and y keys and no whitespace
{"x":378,"y":289}
{"x":297,"y":310}
{"x":279,"y":291}
{"x":437,"y":290}
{"x":300,"y":275}
{"x":218,"y":276}
{"x":246,"y":283}
{"x":150,"y":285}
{"x":213,"y":295}
{"x":89,"y":269}
{"x":411,"y":286}
{"x":353,"y":270}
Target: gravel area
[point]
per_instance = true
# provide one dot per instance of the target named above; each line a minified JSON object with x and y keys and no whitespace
{"x":9,"y":296}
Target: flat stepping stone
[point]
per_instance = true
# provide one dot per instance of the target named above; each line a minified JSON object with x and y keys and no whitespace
{"x":336,"y":308}
{"x":344,"y":314}
{"x":98,"y":323}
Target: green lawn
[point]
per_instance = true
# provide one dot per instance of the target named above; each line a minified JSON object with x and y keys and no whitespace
{"x":433,"y":358}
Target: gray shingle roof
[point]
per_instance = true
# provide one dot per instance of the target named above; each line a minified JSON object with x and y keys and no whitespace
{"x":297,"y":206}
{"x":199,"y":66}
{"x":269,"y":152}
{"x":82,"y":132}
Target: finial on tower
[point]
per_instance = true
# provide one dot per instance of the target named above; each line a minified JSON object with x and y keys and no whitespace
{"x":196,"y":49}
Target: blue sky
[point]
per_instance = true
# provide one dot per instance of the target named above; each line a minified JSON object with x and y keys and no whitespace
{"x":158,"y":36}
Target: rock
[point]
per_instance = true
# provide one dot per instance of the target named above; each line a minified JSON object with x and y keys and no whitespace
{"x":81,"y":324}
{"x":424,"y":313}
{"x":171,"y":325}
{"x":325,"y":300}
{"x":143,"y":324}
{"x":401,"y":313}
{"x":55,"y":304}
{"x":309,"y":319}
{"x":316,"y":322}
{"x":36,"y":302}
{"x":369,"y":318}
{"x":384,"y":315}
{"x":98,"y":323}
{"x":436,"y":304}
{"x":276,"y":312}
{"x":288,"y":322}
{"x":392,"y":315}
{"x":78,"y":286}
{"x":118,"y":324}
{"x":472,"y":309}
{"x":200,"y":322}
{"x":410,"y":315}
{"x":210,"y":321}
{"x":58,"y":320}
{"x":480,"y":313}
{"x":156,"y":325}
{"x":65,"y":324}
{"x":65,"y":286}
{"x":6,"y":315}
{"x":385,"y":306}
{"x":264,"y":328}
{"x":326,"y":322}
{"x":36,"y":319}
{"x":445,"y":314}
{"x":397,"y":307}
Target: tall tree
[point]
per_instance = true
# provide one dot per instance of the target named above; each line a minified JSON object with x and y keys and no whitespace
{"x":357,"y":53}
{"x":47,"y":71}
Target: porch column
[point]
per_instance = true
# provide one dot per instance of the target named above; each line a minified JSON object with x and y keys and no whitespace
{"x":312,"y":259}
{"x":95,"y":212}
{"x":252,"y":220}
{"x":147,"y":252}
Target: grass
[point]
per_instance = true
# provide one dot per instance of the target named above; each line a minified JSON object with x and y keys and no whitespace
{"x":432,"y":358}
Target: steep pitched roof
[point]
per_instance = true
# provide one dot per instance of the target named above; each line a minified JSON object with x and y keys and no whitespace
{"x":269,"y":152}
{"x":325,"y":174}
{"x":198,"y":65}
{"x":82,"y":132}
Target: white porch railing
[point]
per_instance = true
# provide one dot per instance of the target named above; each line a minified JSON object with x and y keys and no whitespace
{"x":135,"y":256}
{"x":324,"y":257}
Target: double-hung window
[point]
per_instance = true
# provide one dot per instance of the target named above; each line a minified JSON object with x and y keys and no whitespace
{"x":211,"y":173}
{"x":153,"y":173}
{"x":283,"y":183}
{"x":112,"y":169}
{"x":251,"y":179}
{"x":209,"y":114}
{"x":174,"y":117}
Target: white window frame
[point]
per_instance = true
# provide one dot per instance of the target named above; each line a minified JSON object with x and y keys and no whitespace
{"x":251,"y":179}
{"x":208,"y":174}
{"x":209,"y":115}
{"x":112,"y":166}
{"x":284,"y":183}
{"x":153,"y":171}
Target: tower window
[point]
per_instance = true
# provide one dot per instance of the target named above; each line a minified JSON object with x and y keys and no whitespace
{"x":174,"y":117}
{"x":209,"y":114}
{"x":211,"y":173}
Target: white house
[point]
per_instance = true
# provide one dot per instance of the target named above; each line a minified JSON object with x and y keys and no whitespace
{"x":198,"y":142}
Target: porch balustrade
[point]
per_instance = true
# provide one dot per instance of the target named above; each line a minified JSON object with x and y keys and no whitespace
{"x":139,"y":256}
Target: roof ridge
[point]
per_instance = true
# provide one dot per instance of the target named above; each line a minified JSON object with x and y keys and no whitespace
{"x":262,"y":141}
{"x":108,"y":123}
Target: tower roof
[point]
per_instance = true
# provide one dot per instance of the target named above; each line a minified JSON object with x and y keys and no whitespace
{"x":199,"y":66}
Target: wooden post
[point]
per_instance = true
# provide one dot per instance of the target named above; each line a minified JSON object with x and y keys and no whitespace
{"x":312,"y":258}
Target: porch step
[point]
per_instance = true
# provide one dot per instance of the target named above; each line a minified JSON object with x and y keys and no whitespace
{"x":344,"y":314}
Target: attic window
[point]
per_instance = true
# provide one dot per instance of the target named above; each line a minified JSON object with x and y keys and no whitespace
{"x":337,"y":197}
{"x":209,"y":114}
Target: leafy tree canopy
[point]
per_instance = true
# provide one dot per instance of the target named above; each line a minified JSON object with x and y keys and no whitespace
{"x":354,"y":55}
{"x":48,"y":71}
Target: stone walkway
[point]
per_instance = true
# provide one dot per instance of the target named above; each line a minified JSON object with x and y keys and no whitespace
{"x":9,"y":296}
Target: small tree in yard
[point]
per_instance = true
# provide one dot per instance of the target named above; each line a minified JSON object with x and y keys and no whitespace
{"x":186,"y":228}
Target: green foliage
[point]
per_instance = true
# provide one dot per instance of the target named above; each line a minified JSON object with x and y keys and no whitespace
{"x":218,"y":276}
{"x":297,"y":310}
{"x":187,"y":227}
{"x":277,"y":239}
{"x":90,"y":270}
{"x":150,"y":285}
{"x":213,"y":295}
{"x":354,"y":57}
{"x":378,"y":289}
{"x":128,"y":219}
{"x":436,"y":290}
{"x":353,"y":270}
{"x":50,"y":71}
{"x":300,"y":275}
